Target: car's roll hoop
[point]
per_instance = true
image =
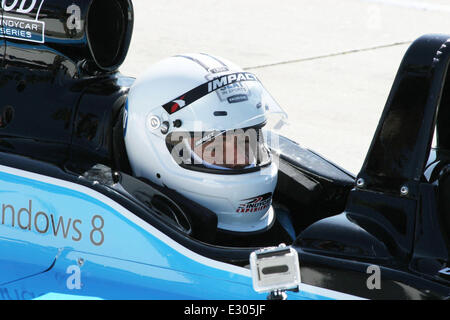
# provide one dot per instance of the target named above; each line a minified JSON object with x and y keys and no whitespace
{"x":394,"y":204}
{"x":419,"y":99}
{"x":93,"y":35}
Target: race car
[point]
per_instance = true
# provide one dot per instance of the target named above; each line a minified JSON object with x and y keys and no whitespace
{"x":77,"y":223}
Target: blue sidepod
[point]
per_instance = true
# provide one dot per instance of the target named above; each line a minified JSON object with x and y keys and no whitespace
{"x":50,"y":227}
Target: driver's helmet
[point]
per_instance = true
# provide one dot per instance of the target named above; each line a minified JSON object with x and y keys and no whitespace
{"x":195,"y":123}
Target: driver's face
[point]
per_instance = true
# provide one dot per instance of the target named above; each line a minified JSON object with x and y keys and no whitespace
{"x":225,"y":150}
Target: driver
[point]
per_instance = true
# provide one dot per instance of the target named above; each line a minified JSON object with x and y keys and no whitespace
{"x":195,"y":123}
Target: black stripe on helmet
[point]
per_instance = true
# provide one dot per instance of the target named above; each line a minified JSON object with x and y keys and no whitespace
{"x":202,"y":90}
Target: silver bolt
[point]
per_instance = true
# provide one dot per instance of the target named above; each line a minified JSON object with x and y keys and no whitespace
{"x":80,"y":262}
{"x":165,"y":127}
{"x":360,"y":183}
{"x":404,"y":191}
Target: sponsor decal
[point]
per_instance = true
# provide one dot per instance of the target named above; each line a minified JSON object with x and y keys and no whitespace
{"x":231,"y":92}
{"x":177,"y":105}
{"x":226,"y":82}
{"x":229,"y":79}
{"x":256,"y":204}
{"x":38,"y":221}
{"x":238,"y":98}
{"x":20,"y":28}
{"x":23,"y":6}
{"x":219,"y":69}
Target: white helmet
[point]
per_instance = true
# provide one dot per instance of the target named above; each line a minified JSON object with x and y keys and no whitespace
{"x":181,"y":113}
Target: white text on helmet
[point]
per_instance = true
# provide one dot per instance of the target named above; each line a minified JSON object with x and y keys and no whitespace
{"x":225,"y":80}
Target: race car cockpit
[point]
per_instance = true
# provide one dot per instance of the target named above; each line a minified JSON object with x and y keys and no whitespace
{"x":65,"y":119}
{"x":64,"y":103}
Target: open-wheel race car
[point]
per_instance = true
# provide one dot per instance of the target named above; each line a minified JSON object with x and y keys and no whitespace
{"x":77,"y":221}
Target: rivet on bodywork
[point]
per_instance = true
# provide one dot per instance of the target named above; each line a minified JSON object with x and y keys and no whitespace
{"x":404,"y":191}
{"x":360,"y":183}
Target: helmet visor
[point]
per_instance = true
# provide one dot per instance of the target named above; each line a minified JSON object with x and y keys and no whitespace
{"x":232,"y":151}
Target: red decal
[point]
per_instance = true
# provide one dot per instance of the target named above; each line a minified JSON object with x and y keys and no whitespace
{"x":174,"y":107}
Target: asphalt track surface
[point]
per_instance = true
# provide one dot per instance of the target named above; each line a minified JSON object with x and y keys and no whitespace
{"x":330,"y":64}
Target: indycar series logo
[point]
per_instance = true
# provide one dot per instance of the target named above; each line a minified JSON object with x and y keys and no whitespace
{"x":20,"y":28}
{"x":255,"y":204}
